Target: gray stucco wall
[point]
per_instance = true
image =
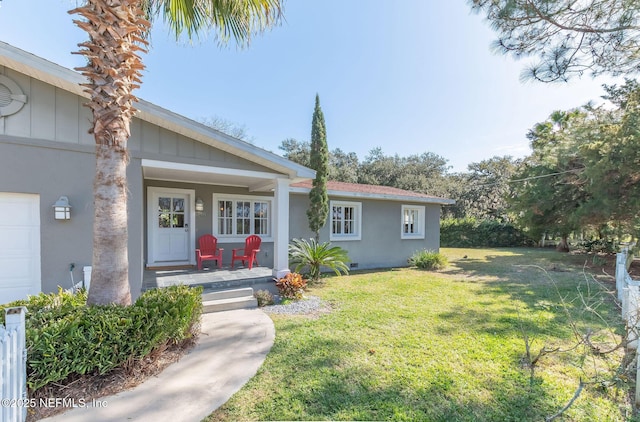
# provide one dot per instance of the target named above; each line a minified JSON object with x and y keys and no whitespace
{"x":381,"y":245}
{"x":136,"y":227}
{"x":47,"y":169}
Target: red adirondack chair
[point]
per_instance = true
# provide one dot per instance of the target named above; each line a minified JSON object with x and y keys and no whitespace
{"x":208,"y":250}
{"x":251,"y":248}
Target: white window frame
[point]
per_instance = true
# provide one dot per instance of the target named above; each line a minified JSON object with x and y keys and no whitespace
{"x":419,"y":225}
{"x":234,"y":237}
{"x":357,"y":219}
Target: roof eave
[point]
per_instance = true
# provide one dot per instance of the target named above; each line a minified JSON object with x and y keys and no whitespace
{"x":379,"y":196}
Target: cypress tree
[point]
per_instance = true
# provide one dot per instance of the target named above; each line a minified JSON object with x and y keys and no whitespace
{"x":319,"y":160}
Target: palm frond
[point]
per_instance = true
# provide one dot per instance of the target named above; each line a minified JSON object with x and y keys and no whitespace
{"x":239,"y":20}
{"x":309,"y":253}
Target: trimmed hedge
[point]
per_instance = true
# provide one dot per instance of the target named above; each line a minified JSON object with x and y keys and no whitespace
{"x":65,"y":337}
{"x":470,"y":232}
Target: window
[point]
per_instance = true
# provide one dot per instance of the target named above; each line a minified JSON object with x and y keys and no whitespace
{"x":171,"y":212}
{"x":412,"y":222}
{"x":243,"y":216}
{"x":346,"y":220}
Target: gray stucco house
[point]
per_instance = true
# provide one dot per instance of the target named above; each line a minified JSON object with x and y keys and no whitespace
{"x":185,"y":180}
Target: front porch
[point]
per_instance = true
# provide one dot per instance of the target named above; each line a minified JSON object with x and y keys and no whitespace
{"x":209,"y":278}
{"x":185,"y":201}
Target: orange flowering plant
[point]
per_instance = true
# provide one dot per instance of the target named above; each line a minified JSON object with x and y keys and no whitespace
{"x":291,"y":286}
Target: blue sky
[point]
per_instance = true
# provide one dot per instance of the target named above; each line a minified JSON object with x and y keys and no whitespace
{"x":409,"y":76}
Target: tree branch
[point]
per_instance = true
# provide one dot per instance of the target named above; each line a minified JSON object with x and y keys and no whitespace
{"x":588,"y":29}
{"x":568,"y":405}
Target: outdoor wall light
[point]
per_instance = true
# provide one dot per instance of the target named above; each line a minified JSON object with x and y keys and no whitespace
{"x":62,"y":209}
{"x":199,"y":205}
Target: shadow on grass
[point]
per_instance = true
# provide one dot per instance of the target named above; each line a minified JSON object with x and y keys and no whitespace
{"x":348,"y":399}
{"x":507,"y":262}
{"x":538,"y":280}
{"x":328,"y":379}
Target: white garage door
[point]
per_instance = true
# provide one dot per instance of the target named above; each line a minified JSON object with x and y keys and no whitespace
{"x":19,"y":246}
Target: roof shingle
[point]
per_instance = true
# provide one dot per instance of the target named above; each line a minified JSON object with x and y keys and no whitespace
{"x":373,"y":190}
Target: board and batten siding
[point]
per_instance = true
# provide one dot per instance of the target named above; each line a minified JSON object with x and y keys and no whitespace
{"x":49,"y":114}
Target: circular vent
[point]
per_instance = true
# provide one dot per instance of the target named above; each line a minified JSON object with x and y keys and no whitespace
{"x":11,"y":97}
{"x":5,"y":96}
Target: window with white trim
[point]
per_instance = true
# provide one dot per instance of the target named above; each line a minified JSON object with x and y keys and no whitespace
{"x":241,"y":216}
{"x":346,"y":220}
{"x":413,"y":222}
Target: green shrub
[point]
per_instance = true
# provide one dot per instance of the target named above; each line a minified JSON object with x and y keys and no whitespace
{"x":65,"y":337}
{"x":598,"y":246}
{"x":46,"y":306}
{"x":264,"y":298}
{"x":177,"y":309}
{"x":291,"y":286}
{"x":428,"y":260}
{"x":470,"y":232}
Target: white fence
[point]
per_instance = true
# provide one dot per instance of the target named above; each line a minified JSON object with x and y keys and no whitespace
{"x":13,"y":367}
{"x":628,"y":291}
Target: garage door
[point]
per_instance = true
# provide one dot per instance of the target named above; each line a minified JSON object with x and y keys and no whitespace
{"x":19,"y":246}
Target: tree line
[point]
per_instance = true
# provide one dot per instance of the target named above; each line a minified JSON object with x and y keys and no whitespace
{"x":480,"y":193}
{"x":582,"y":176}
{"x":583,"y":172}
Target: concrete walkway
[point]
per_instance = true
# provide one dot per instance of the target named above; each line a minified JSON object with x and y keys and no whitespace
{"x":231,"y":348}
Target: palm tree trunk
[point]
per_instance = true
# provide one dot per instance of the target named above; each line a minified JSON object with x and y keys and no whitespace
{"x":110,"y":268}
{"x":116,"y":29}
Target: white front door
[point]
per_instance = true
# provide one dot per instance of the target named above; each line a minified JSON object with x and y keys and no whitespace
{"x":169,"y":226}
{"x":19,"y":246}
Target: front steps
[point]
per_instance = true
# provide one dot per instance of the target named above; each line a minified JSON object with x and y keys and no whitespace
{"x":227,"y":300}
{"x":214,"y":279}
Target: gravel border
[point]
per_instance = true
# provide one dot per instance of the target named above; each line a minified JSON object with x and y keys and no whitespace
{"x":308,"y":305}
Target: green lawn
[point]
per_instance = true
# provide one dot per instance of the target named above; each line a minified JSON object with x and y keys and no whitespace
{"x":413,"y":345}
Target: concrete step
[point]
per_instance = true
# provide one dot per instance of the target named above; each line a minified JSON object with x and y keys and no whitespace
{"x":227,"y":300}
{"x":226,"y":294}
{"x":231,"y":284}
{"x":229,"y":304}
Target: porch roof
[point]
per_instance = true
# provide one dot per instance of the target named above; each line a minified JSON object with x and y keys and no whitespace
{"x":256,"y":181}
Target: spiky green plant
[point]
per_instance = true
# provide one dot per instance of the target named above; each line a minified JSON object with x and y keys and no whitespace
{"x":314,"y":255}
{"x":428,"y":260}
